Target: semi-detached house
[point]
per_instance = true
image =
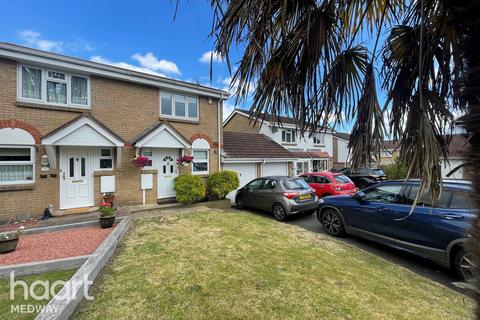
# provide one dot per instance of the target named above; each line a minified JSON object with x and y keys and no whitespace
{"x":69,"y":129}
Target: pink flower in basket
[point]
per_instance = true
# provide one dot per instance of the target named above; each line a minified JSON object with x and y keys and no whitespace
{"x":184,"y":159}
{"x":141,"y":162}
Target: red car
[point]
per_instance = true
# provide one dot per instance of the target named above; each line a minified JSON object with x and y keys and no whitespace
{"x":328,"y":183}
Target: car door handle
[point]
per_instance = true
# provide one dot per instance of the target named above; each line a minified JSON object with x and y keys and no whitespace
{"x":383,"y":210}
{"x":452,"y":217}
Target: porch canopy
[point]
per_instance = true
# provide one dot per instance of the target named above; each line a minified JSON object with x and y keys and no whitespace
{"x":161,"y":135}
{"x":85,"y":131}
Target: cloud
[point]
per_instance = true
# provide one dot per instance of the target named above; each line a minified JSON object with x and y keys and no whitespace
{"x":230,"y":86}
{"x":227,"y":109}
{"x":210,"y":56}
{"x":34,"y":39}
{"x":150,"y":62}
{"x":125,"y":65}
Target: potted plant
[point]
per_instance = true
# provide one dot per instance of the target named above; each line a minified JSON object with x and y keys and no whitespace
{"x":108,"y":197}
{"x":107,"y":215}
{"x":9,"y":240}
{"x":185,"y":160}
{"x":141,"y":162}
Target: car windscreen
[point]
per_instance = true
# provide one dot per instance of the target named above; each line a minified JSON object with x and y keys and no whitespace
{"x":342,"y":179}
{"x":295,"y":184}
{"x":378,"y":172}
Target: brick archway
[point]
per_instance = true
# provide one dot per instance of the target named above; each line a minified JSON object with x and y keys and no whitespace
{"x":201,"y":136}
{"x":12,"y":123}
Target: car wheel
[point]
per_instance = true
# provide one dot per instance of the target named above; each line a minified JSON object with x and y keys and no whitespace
{"x":465,"y":265}
{"x":279,"y":212}
{"x":332,"y":222}
{"x":240,"y":203}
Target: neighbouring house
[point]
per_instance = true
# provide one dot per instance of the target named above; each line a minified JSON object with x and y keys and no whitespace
{"x":69,"y":129}
{"x":254,"y":155}
{"x":313,"y":152}
{"x":341,"y":158}
{"x":457,"y":154}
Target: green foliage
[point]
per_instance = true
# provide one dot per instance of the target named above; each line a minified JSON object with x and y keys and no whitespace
{"x":396,"y":170}
{"x":219,"y":184}
{"x":189,"y":189}
{"x":107,"y":211}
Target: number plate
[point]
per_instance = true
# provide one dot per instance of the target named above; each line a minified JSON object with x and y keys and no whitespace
{"x":305,"y":196}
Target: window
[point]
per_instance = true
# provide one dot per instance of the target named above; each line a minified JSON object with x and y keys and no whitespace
{"x":178,"y":106}
{"x":288,"y":136}
{"x":53,"y":87}
{"x":460,"y":201}
{"x":342,"y":179}
{"x":302,"y":167}
{"x":200,"y":161}
{"x":425,"y":200}
{"x":319,"y":138}
{"x":254,"y":185}
{"x":384,"y":194}
{"x":17,"y":165}
{"x":149,"y":154}
{"x":106,"y":159}
{"x":296,"y":184}
{"x":269,"y":184}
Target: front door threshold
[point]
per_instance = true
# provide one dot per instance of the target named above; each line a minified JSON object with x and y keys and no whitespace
{"x":167,"y":200}
{"x":71,"y":211}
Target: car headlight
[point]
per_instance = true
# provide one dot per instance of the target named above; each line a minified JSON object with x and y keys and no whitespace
{"x":320,"y":200}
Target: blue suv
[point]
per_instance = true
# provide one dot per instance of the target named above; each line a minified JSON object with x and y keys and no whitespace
{"x":381,"y":213}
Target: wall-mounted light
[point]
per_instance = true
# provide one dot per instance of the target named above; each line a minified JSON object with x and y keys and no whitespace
{"x":45,"y":164}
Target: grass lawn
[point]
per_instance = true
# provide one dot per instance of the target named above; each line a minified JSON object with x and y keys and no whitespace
{"x":6,"y":303}
{"x":235,"y":265}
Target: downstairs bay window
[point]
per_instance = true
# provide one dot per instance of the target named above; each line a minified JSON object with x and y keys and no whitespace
{"x":17,"y":165}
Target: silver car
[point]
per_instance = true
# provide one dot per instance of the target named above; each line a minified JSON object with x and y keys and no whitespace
{"x":280,"y":195}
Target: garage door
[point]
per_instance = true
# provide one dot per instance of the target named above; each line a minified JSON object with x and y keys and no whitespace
{"x":275,"y":169}
{"x":246,"y":172}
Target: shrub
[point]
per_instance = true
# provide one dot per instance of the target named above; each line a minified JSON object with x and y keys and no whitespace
{"x":106,"y":210}
{"x":189,"y":188}
{"x":219,"y":184}
{"x":396,"y":170}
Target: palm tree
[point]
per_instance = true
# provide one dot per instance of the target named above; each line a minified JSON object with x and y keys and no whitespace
{"x":319,"y":60}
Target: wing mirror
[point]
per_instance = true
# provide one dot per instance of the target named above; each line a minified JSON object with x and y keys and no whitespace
{"x":359,"y":195}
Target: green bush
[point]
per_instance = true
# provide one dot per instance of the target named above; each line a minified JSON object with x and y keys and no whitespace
{"x":396,"y":170}
{"x":189,"y":188}
{"x":219,"y":184}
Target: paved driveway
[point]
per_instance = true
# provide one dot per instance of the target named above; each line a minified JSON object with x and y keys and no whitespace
{"x":412,"y":262}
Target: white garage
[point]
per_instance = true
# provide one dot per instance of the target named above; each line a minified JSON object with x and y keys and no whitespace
{"x":246,"y":172}
{"x":275,"y":169}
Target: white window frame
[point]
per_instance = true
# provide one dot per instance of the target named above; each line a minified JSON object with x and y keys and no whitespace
{"x":207,"y":161}
{"x":45,"y":78}
{"x":31,"y":162}
{"x":319,"y":138}
{"x":110,"y":157}
{"x":185,"y":100}
{"x":291,"y":133}
{"x":142,"y":150}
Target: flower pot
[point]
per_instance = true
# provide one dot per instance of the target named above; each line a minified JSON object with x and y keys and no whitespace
{"x":9,"y":245}
{"x":185,"y":164}
{"x":106,"y":222}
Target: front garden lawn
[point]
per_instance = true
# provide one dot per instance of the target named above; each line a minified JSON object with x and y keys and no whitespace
{"x":6,"y":311}
{"x":238,"y":265}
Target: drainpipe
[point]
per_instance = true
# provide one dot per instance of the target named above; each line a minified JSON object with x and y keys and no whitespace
{"x":220,"y":108}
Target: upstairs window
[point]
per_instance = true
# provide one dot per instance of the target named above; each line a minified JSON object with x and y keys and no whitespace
{"x":53,"y":87}
{"x":178,"y":106}
{"x":288,"y":136}
{"x":319,"y":138}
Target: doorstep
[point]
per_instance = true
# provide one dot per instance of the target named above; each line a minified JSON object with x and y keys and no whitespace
{"x":67,"y":212}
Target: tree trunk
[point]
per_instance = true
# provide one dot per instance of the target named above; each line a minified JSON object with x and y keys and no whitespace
{"x":471,"y":46}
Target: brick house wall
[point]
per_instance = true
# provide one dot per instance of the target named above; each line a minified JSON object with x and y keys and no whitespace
{"x":126,"y":108}
{"x":239,"y":123}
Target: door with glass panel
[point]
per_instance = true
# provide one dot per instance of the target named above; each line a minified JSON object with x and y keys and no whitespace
{"x":76,"y":178}
{"x":165,"y":161}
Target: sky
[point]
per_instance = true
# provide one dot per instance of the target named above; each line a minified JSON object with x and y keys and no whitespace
{"x":140,"y":35}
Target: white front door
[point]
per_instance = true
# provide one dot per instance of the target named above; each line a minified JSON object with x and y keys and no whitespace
{"x":165,"y":160}
{"x":76,"y":177}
